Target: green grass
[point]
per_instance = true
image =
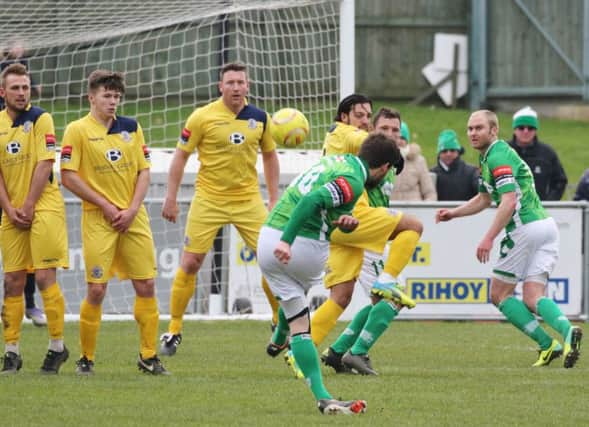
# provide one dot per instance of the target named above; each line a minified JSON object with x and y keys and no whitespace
{"x":162,"y":121}
{"x":431,"y":374}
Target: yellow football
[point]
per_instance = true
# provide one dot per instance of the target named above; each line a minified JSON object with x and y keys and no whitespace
{"x":289,"y":127}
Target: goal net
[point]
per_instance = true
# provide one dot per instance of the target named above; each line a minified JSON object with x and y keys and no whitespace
{"x":171,"y":52}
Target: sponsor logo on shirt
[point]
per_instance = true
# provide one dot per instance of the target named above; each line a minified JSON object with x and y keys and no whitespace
{"x":66,"y":153}
{"x":50,"y":141}
{"x":113,"y":155}
{"x":237,"y":138}
{"x":13,"y":147}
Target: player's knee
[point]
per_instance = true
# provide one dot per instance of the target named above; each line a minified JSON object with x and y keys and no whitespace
{"x":342,"y":293}
{"x":45,"y":278}
{"x":96,"y":293}
{"x":14,"y":283}
{"x":191,"y":262}
{"x":144,"y":288}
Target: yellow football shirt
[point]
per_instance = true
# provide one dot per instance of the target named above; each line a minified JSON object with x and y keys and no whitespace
{"x":23,"y":143}
{"x":342,"y":139}
{"x":227,"y":146}
{"x":108,"y":160}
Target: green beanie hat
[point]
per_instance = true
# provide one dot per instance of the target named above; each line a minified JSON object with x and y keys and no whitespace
{"x":405,"y":134}
{"x":525,"y":117}
{"x":448,"y":140}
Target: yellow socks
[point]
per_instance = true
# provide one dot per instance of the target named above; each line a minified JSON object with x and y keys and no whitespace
{"x":182,"y":290}
{"x":89,"y":325}
{"x":147,"y":317}
{"x":271,"y":300}
{"x":54,"y":306}
{"x":12,"y":315}
{"x":324,"y":320}
{"x":401,"y":251}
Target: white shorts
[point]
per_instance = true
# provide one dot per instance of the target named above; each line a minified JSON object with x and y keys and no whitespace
{"x":372,"y":266}
{"x":529,"y":250}
{"x":292,"y":281}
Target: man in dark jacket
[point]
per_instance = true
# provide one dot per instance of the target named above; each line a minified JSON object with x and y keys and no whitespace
{"x":456,"y":180}
{"x":582,"y":192}
{"x":549,"y":176}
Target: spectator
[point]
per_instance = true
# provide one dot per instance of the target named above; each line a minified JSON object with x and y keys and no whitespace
{"x":414,"y":182}
{"x":456,"y":180}
{"x":549,"y":176}
{"x":582,"y":192}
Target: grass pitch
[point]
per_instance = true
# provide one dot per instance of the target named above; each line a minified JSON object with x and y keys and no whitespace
{"x":431,"y":374}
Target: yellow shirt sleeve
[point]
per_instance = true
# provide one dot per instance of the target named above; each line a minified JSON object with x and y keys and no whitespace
{"x":45,"y":141}
{"x":192,"y":133}
{"x":143,"y":154}
{"x":267,"y":142}
{"x":71,"y":153}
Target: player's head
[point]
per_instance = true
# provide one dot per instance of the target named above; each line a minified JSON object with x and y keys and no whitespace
{"x":482,"y":129}
{"x":105,"y":89}
{"x":15,"y":87}
{"x":355,"y":110}
{"x":380,"y":153}
{"x":388,"y":122}
{"x":234,"y":85}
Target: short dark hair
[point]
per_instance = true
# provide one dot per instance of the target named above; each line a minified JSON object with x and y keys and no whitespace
{"x":346,"y":104}
{"x":16,"y":68}
{"x":110,"y":80}
{"x":387,"y":113}
{"x":378,"y":149}
{"x":232,"y":66}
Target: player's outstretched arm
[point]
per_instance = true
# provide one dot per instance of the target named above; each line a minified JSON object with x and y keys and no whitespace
{"x":475,"y":205}
{"x":346,"y":223}
{"x":176,"y":172}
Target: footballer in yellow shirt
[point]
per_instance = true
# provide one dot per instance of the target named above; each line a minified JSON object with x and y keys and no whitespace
{"x":34,"y":232}
{"x":105,"y":162}
{"x":226,"y":134}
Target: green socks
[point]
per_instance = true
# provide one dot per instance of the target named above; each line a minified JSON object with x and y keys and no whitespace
{"x":552,"y":315}
{"x":305,"y":354}
{"x":281,"y":330}
{"x":379,"y":319}
{"x":350,"y":334}
{"x":518,"y":314}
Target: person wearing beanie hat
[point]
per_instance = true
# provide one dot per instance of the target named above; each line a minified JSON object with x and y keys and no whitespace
{"x":415,"y":182}
{"x":549,"y":175}
{"x":456,"y":180}
{"x":405,"y":134}
{"x":528,"y":248}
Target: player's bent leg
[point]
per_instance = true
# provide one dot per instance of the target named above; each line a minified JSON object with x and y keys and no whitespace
{"x":516,"y":312}
{"x":404,"y":239}
{"x":325,"y":317}
{"x":279,"y":340}
{"x":333,"y":355}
